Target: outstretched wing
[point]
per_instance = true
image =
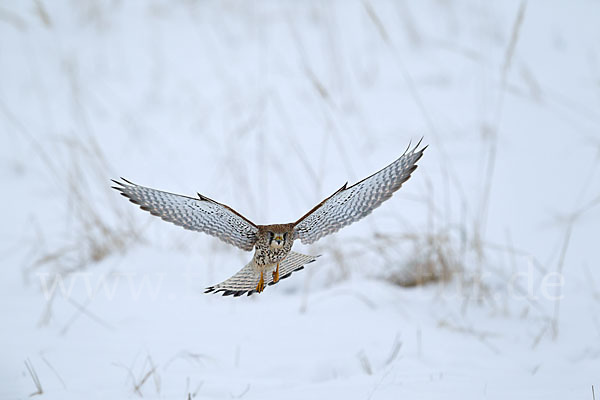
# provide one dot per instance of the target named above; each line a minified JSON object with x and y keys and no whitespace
{"x":349,"y":204}
{"x":197,"y":214}
{"x":246,"y":279}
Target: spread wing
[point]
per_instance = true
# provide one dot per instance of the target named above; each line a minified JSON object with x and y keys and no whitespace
{"x":246,"y":279}
{"x":349,"y":204}
{"x":197,"y":214}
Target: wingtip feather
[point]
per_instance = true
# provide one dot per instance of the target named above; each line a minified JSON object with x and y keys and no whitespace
{"x":419,"y":143}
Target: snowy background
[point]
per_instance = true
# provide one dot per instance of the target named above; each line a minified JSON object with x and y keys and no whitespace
{"x":478,"y":279}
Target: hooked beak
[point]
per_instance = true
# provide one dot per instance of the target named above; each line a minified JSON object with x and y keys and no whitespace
{"x":278,"y":239}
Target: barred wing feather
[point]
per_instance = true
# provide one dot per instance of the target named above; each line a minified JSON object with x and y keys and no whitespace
{"x":197,"y":214}
{"x":349,"y":204}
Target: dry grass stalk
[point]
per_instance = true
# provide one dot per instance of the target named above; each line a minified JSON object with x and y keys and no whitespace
{"x":34,"y":378}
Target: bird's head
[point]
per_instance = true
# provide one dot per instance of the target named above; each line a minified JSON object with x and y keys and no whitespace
{"x":277,"y":239}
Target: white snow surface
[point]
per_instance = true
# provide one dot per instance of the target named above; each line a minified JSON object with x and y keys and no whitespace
{"x":270,"y":107}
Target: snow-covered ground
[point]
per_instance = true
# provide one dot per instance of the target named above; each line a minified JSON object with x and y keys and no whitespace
{"x":270,"y":107}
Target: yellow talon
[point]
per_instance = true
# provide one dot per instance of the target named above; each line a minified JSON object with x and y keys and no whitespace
{"x":261,"y":284}
{"x":276,"y":274}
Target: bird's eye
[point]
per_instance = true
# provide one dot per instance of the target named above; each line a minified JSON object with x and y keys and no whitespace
{"x":285,"y":236}
{"x":271,"y":235}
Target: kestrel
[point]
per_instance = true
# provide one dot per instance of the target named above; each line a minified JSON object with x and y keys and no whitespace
{"x":273,"y":259}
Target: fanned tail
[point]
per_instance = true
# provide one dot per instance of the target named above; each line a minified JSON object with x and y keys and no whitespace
{"x":246,"y":279}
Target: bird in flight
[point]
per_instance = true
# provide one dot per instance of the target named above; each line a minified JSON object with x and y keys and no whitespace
{"x":273,"y":256}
